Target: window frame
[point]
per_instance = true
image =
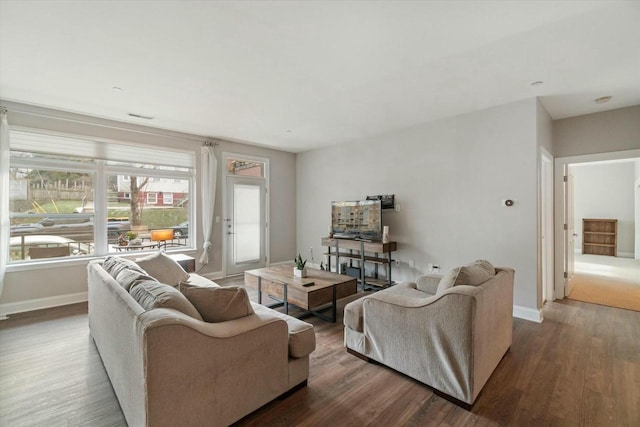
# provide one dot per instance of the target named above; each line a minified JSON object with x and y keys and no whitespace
{"x":99,"y":170}
{"x":155,"y":197}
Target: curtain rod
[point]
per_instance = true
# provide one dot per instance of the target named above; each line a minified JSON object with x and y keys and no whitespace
{"x":203,"y":140}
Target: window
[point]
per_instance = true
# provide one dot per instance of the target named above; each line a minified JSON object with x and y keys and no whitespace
{"x":245,"y":167}
{"x":58,"y":210}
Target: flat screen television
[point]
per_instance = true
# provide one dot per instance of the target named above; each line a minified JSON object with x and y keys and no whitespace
{"x":357,"y":220}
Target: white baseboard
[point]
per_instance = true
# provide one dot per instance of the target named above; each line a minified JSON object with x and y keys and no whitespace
{"x":213,"y":275}
{"x":283,"y":263}
{"x":626,"y":254}
{"x":40,"y":303}
{"x":526,"y":313}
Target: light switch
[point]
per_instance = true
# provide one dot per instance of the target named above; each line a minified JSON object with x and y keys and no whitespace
{"x":217,"y":219}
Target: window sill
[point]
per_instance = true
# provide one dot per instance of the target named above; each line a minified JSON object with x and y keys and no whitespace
{"x":70,"y":262}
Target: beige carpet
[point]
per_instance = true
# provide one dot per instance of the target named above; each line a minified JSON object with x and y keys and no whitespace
{"x":606,"y":291}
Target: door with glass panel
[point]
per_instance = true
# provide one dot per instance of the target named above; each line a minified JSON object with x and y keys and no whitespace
{"x":244,"y":224}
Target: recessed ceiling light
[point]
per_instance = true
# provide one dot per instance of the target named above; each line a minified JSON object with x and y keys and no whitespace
{"x":538,"y":83}
{"x":117,"y":89}
{"x":603,"y":99}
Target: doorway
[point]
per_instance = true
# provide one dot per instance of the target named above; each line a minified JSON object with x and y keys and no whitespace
{"x":584,"y":273}
{"x":245,"y":212}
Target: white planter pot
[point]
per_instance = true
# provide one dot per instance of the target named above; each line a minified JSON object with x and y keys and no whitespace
{"x":300,"y":273}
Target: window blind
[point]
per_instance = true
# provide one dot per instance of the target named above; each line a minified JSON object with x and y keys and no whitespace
{"x":35,"y":142}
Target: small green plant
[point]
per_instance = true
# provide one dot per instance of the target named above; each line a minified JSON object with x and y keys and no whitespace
{"x":299,"y":262}
{"x":131,"y":235}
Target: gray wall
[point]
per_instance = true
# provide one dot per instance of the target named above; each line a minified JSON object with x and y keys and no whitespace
{"x":544,"y":129}
{"x":606,"y":191}
{"x":614,"y":130}
{"x":636,"y":186}
{"x":449,"y":178}
{"x":60,"y":281}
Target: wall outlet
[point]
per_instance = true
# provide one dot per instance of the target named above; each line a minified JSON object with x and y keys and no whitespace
{"x":398,"y":207}
{"x":397,"y":263}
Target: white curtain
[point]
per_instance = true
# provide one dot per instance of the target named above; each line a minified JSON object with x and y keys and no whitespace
{"x":208,"y":192}
{"x":4,"y":196}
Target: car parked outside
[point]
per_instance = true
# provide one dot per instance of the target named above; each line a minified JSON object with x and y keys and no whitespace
{"x":181,"y":230}
{"x":19,"y":246}
{"x":80,"y":229}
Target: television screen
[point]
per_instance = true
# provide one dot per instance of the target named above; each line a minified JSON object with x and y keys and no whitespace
{"x":360,"y":219}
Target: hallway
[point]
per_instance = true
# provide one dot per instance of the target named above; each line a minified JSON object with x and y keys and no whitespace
{"x":605,"y":280}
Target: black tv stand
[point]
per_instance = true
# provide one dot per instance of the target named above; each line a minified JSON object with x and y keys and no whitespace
{"x":381,"y":255}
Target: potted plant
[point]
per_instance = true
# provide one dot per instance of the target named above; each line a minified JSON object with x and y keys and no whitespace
{"x":132,"y":237}
{"x":299,"y":270}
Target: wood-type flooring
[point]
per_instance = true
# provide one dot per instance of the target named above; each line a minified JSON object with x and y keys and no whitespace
{"x":580,"y":367}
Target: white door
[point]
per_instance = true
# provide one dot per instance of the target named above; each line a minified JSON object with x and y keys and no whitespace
{"x":570,"y":235}
{"x":245,"y":224}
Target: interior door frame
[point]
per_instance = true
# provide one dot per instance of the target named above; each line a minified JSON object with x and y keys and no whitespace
{"x":267,"y":214}
{"x":559,"y":202}
{"x":546,"y":226}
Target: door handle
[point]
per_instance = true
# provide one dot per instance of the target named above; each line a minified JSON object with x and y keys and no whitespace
{"x":228,"y":232}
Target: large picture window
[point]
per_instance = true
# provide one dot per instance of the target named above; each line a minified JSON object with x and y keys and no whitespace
{"x":74,"y":197}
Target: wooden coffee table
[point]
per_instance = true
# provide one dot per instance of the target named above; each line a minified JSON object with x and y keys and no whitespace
{"x":311,"y":293}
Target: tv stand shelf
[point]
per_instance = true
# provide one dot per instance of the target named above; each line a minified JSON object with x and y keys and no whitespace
{"x":381,"y":256}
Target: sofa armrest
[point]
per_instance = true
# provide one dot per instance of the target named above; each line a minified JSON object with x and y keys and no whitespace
{"x":210,"y":365}
{"x":412,"y":302}
{"x":428,"y":283}
{"x":429,"y":339}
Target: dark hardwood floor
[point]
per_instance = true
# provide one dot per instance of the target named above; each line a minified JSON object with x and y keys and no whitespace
{"x":580,"y":367}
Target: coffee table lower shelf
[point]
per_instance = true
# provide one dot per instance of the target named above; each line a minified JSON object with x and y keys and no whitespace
{"x":283,"y":302}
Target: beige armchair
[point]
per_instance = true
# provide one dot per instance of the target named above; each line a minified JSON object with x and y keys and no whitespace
{"x":449,"y":333}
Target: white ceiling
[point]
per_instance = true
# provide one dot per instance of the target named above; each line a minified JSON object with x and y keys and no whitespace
{"x":301,"y":75}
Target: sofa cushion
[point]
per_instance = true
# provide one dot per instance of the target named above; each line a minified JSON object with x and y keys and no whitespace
{"x":198,"y":280}
{"x":163,"y":268}
{"x":151,"y":294}
{"x":217,"y":303}
{"x":114,"y":265}
{"x":302,"y":338}
{"x":472,"y":274}
{"x":128,"y":277}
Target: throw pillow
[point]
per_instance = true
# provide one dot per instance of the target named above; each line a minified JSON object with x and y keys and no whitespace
{"x":114,"y":265}
{"x":163,"y":268}
{"x":218,"y":304}
{"x":472,"y":274}
{"x":150,"y":294}
{"x":448,"y":280}
{"x":475,"y":273}
{"x":128,"y":277}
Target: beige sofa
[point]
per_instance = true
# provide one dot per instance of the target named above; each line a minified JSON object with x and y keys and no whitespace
{"x":450,"y":336}
{"x":170,"y":369}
